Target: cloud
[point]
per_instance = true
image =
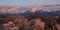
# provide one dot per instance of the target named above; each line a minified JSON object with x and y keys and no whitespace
{"x":47,"y":2}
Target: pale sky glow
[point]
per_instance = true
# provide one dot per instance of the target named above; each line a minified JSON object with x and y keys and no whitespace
{"x":28,"y":2}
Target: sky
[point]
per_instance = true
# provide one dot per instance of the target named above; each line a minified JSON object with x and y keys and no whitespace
{"x":28,"y":2}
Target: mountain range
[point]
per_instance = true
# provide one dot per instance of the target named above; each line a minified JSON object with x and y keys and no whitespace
{"x":53,"y":10}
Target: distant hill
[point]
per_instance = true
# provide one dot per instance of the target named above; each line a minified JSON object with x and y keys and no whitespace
{"x":55,"y":10}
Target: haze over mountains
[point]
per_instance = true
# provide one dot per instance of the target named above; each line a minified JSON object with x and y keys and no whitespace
{"x":44,"y":10}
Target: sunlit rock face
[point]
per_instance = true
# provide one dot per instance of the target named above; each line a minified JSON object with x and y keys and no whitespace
{"x":11,"y":10}
{"x":33,"y":9}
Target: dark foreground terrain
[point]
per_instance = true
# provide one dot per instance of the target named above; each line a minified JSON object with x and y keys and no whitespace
{"x":32,"y":22}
